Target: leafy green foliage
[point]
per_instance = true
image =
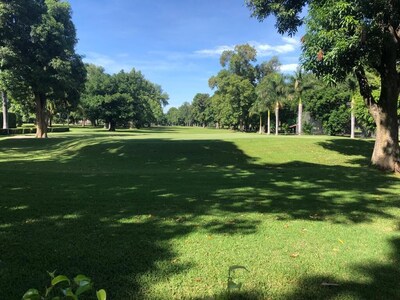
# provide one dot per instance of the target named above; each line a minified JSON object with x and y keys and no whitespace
{"x":349,"y":36}
{"x":201,"y":109}
{"x":61,"y":287}
{"x":122,"y":98}
{"x":38,"y":49}
{"x":331,"y":106}
{"x":232,"y":100}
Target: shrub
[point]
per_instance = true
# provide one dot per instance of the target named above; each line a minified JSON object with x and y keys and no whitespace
{"x":307,"y":128}
{"x":28,"y":130}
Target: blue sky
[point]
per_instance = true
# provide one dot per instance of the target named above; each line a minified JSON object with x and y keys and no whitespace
{"x":175,"y":43}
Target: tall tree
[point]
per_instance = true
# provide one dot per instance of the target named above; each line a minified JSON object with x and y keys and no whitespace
{"x":274,"y":88}
{"x":16,"y":19}
{"x":301,"y":82}
{"x":263,"y":101}
{"x":186,"y":113}
{"x":239,"y":61}
{"x":350,"y":36}
{"x":173,"y":117}
{"x":201,"y":109}
{"x":42,"y":38}
{"x":236,"y":95}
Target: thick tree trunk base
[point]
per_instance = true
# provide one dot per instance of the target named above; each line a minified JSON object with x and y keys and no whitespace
{"x":41,"y":116}
{"x":386,"y":150}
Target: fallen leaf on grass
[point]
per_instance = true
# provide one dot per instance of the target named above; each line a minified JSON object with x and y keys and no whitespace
{"x":294,"y":255}
{"x":340,"y":241}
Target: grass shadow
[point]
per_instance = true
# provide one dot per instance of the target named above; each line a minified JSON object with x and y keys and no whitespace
{"x":111,"y":208}
{"x":351,"y":147}
{"x":377,"y":281}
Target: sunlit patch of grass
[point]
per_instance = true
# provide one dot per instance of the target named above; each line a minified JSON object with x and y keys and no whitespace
{"x":163,"y":213}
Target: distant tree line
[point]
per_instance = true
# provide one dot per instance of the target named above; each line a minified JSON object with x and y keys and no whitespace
{"x":247,"y":95}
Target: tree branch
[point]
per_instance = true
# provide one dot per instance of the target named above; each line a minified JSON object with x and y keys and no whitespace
{"x":365,"y":88}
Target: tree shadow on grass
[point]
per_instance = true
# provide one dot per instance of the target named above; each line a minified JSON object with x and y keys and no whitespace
{"x":377,"y":281}
{"x":110,"y":209}
{"x":351,"y":147}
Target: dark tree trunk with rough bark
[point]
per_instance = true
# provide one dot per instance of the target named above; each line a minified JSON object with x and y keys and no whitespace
{"x":386,"y":150}
{"x":5,"y":109}
{"x":41,"y":115}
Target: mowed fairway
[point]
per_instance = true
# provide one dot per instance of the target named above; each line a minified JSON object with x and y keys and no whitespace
{"x":163,"y":213}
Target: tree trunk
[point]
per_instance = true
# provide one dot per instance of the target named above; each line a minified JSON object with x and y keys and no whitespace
{"x":384,"y":111}
{"x":269,"y":122}
{"x":41,"y":115}
{"x":353,"y":120}
{"x":112,"y":126}
{"x":300,"y":119}
{"x":5,"y":109}
{"x":260,"y":131}
{"x":277,"y":119}
{"x":386,"y":150}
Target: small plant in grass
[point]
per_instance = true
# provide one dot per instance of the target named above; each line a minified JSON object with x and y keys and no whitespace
{"x":62,"y":288}
{"x":233,"y":285}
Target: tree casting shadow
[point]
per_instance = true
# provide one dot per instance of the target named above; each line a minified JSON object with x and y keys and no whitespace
{"x":110,"y":209}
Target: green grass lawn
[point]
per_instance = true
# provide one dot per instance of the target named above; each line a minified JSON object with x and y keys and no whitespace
{"x":163,"y":213}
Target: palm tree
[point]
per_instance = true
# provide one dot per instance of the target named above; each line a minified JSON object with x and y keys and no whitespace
{"x":264,"y":102}
{"x":352,"y":85}
{"x":278,"y":92}
{"x":301,"y":82}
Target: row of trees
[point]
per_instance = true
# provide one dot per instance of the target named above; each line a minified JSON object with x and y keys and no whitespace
{"x":247,"y":95}
{"x":41,"y":73}
{"x":123,"y":99}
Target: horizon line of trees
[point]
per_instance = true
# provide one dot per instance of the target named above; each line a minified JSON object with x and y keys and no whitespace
{"x":247,"y":95}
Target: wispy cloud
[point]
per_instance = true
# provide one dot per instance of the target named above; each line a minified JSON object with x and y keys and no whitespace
{"x":110,"y":64}
{"x":289,"y":67}
{"x":217,"y":51}
{"x":263,"y":50}
{"x":171,"y":62}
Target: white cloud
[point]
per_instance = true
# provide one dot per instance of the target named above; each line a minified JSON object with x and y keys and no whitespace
{"x":263,"y":50}
{"x":291,"y":40}
{"x":108,"y":63}
{"x":217,"y":51}
{"x":289,"y":67}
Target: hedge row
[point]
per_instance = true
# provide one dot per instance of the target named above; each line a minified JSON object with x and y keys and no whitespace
{"x":31,"y":130}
